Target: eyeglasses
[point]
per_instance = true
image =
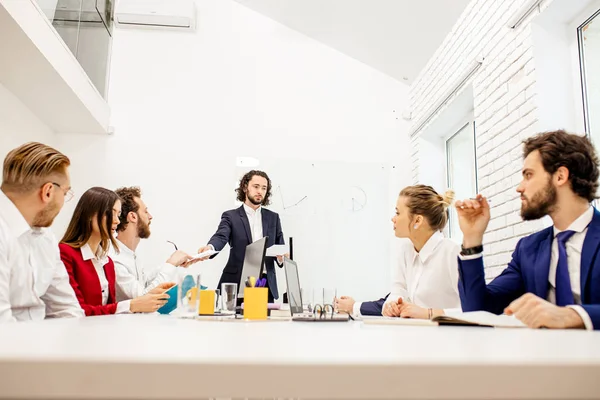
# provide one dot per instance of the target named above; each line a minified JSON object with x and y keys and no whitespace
{"x":323,"y":311}
{"x":173,"y":245}
{"x":68,"y":194}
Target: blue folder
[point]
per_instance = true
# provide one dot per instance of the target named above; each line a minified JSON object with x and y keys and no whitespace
{"x":171,"y":304}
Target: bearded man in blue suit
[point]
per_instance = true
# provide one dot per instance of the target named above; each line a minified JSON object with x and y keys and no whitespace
{"x":553,"y":279}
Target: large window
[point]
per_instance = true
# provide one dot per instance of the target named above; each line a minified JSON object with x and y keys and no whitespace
{"x":589,"y":56}
{"x":86,"y":27}
{"x":461,"y":170}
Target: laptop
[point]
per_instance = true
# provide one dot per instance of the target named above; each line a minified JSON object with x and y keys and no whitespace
{"x":254,"y":260}
{"x":295,"y":296}
{"x":293,"y":287}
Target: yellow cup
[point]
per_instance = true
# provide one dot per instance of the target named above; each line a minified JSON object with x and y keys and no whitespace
{"x":255,"y":303}
{"x":207,"y":302}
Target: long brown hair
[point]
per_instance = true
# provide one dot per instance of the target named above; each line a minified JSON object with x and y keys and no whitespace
{"x":95,"y":202}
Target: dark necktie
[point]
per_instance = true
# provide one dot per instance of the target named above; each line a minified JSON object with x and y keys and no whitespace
{"x":564,"y":294}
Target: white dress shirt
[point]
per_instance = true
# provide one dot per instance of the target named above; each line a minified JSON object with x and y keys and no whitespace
{"x":34,"y":283}
{"x":255,"y":220}
{"x":574,"y":247}
{"x":132,"y":280}
{"x":99,"y":263}
{"x":356,"y":309}
{"x":428,"y":278}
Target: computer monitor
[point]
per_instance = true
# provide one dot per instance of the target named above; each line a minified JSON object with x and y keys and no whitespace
{"x":254,"y":260}
{"x":293,"y":286}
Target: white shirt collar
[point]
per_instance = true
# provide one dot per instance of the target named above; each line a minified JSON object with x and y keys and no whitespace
{"x":86,"y":252}
{"x":124,"y":249}
{"x":430,"y":246}
{"x":14,"y":219}
{"x":250,"y":211}
{"x":581,"y":223}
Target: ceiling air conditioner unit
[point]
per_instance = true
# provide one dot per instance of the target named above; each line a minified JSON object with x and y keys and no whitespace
{"x":156,"y":13}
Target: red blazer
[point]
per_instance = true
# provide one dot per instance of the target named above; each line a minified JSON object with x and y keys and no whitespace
{"x":84,"y":280}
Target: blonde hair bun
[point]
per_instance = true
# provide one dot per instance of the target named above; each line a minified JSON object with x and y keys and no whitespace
{"x":448,"y":198}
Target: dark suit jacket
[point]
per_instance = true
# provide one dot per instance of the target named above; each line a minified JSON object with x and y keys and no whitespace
{"x":528,"y":272}
{"x":235,"y":230}
{"x":84,"y":280}
{"x":373,"y":307}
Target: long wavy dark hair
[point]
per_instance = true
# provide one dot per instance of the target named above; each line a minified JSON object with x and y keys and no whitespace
{"x":96,"y":203}
{"x":241,"y":190}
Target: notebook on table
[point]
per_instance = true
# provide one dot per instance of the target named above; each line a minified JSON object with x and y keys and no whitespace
{"x":480,"y":318}
{"x":376,"y":320}
{"x":473,"y":318}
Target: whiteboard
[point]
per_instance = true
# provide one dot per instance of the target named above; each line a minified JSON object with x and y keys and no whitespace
{"x":339,"y":216}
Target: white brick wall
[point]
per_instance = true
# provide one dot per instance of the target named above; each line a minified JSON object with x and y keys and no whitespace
{"x":504,"y":109}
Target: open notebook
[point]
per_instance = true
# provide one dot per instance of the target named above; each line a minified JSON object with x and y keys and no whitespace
{"x":480,"y":318}
{"x":397,"y":321}
{"x":474,"y":318}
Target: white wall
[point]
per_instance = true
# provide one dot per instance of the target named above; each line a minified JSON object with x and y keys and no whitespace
{"x":553,"y":58}
{"x":186,"y":105}
{"x":18,"y":125}
{"x":518,"y":91}
{"x":556,"y":61}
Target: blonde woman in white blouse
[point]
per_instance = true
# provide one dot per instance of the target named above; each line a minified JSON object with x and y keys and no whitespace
{"x":425,"y":281}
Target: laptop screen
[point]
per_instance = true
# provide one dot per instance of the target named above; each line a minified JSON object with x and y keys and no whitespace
{"x":253,"y":262}
{"x":293,"y":286}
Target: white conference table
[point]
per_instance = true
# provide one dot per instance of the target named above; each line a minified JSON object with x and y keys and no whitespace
{"x":162,"y":357}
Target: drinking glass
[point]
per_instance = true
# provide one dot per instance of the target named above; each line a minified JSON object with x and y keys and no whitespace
{"x":229,"y":297}
{"x":188,"y":294}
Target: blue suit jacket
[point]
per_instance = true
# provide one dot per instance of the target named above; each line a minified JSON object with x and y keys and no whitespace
{"x":235,"y":230}
{"x":373,"y":307}
{"x":528,"y":272}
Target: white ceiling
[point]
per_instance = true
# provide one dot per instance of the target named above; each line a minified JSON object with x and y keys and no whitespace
{"x":396,"y":37}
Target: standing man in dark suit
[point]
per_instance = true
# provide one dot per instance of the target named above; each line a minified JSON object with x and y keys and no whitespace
{"x":245,"y":225}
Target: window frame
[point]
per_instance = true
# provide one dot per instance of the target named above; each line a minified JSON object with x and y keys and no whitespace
{"x":468,"y":120}
{"x":582,"y":70}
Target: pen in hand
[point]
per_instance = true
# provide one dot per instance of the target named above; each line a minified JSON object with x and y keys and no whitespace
{"x":479,"y":199}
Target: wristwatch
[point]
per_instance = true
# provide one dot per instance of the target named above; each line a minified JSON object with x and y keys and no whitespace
{"x":471,"y":250}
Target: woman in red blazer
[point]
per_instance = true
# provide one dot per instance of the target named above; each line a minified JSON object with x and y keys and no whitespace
{"x":84,"y":250}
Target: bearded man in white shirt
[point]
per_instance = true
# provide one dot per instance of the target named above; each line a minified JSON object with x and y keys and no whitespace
{"x":33,"y":280}
{"x":132,"y":280}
